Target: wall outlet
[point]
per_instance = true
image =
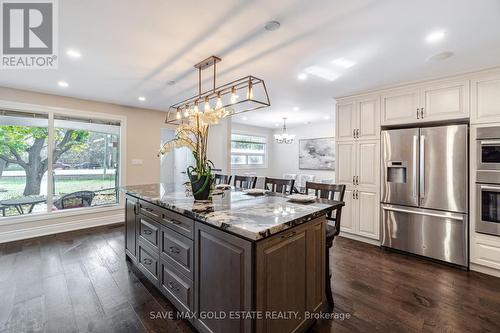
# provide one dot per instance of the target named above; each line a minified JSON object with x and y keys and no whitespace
{"x":137,"y":162}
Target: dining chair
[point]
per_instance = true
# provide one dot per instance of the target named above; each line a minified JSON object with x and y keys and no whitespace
{"x":329,"y":192}
{"x":303,"y":179}
{"x":290,"y":176}
{"x":222,"y":179}
{"x":244,"y":182}
{"x":276,"y":185}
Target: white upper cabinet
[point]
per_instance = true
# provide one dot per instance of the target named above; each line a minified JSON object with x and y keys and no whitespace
{"x":400,"y":106}
{"x":485,"y":99}
{"x":368,"y":114}
{"x":346,"y":120}
{"x":358,"y":119}
{"x":445,"y":101}
{"x":448,"y":100}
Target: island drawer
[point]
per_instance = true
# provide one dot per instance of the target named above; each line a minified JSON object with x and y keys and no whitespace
{"x":177,"y":250}
{"x":148,"y":261}
{"x":177,"y":288}
{"x":149,"y":231}
{"x":168,"y":218}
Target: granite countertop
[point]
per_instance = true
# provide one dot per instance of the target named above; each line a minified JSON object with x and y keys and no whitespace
{"x":251,"y":217}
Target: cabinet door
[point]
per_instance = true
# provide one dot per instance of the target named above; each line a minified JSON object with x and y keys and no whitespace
{"x":368,"y":164}
{"x":400,"y":107}
{"x":368,"y":214}
{"x":485,"y":99}
{"x":445,"y":101}
{"x":130,"y":228}
{"x":348,"y":212}
{"x":346,"y":162}
{"x":346,"y":121}
{"x":369,"y":118}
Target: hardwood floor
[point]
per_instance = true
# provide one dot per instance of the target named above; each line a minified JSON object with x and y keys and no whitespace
{"x":80,"y":282}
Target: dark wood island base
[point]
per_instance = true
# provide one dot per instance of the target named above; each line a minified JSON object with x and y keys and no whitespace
{"x":222,"y":282}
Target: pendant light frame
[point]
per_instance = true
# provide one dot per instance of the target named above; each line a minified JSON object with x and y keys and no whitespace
{"x":243,"y":87}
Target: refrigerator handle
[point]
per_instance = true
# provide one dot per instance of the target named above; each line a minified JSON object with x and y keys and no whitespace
{"x":433,"y":214}
{"x":415,"y":143}
{"x":422,"y":167}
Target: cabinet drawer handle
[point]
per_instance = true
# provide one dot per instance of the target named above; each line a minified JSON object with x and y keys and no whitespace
{"x":164,"y":218}
{"x":418,"y":113}
{"x":172,"y":286}
{"x":148,"y":261}
{"x":289,"y":235}
{"x":173,"y":249}
{"x":147,"y":232}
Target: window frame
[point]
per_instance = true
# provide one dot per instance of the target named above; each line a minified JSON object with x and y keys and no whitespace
{"x":50,"y":112}
{"x":249,"y":166}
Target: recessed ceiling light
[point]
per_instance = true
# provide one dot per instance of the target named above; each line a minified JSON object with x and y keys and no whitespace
{"x":343,"y":62}
{"x":440,"y":56}
{"x":276,"y":124}
{"x":141,"y":98}
{"x":63,"y":84}
{"x":435,"y":36}
{"x":322,"y":72}
{"x":244,"y":118}
{"x":302,"y":76}
{"x":296,"y":108}
{"x":73,"y":53}
{"x":272,"y":25}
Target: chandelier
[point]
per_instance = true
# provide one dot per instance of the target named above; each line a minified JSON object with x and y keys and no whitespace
{"x":242,"y":95}
{"x":284,"y":137}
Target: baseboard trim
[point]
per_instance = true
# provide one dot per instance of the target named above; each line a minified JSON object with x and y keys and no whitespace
{"x":484,"y":270}
{"x":360,"y":238}
{"x":60,"y":227}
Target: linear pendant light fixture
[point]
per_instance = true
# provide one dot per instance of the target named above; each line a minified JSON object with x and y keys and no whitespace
{"x":246,"y":94}
{"x":284,"y":137}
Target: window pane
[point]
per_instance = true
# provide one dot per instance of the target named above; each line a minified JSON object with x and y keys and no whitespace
{"x":256,"y":160}
{"x":248,"y":138}
{"x":85,"y":164}
{"x":23,"y":163}
{"x":238,"y":159}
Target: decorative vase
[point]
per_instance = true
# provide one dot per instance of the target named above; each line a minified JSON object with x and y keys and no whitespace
{"x":201,"y":185}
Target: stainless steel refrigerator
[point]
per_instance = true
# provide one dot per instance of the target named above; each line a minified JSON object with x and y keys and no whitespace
{"x":425,"y":193}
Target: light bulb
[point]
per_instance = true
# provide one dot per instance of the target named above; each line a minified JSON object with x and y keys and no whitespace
{"x":250,"y":91}
{"x":207,"y":105}
{"x":234,"y":97}
{"x":195,"y":109}
{"x":178,"y":114}
{"x":186,"y":111}
{"x":218,"y":105}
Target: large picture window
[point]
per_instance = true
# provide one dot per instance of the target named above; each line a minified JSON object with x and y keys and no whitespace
{"x":248,"y":150}
{"x":84,"y":163}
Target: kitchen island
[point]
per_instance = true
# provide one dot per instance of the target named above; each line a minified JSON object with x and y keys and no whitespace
{"x":236,"y":263}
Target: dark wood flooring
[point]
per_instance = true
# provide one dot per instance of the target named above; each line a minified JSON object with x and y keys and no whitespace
{"x":80,"y":282}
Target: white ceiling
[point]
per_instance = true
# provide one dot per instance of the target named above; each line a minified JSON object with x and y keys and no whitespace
{"x":132,"y":48}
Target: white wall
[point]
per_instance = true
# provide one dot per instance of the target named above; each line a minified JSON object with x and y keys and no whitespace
{"x":285,"y":157}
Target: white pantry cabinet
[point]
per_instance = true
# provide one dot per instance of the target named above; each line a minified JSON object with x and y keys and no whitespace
{"x":358,"y":166}
{"x":485,"y":99}
{"x":448,"y":100}
{"x":358,"y":119}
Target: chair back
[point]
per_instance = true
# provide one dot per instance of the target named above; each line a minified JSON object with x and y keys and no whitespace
{"x":222,"y":179}
{"x":290,"y":176}
{"x":329,"y":192}
{"x":244,"y":182}
{"x":75,"y":200}
{"x":276,"y":185}
{"x":303,"y":179}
